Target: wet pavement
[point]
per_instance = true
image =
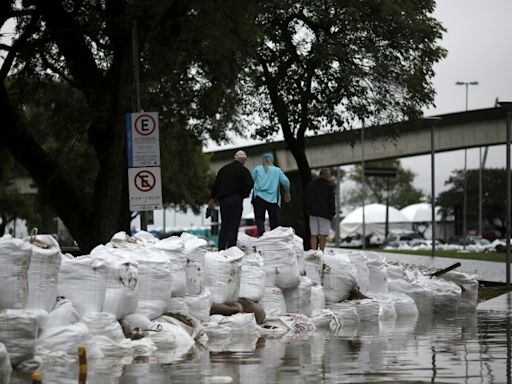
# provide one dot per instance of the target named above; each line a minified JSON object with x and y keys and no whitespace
{"x":486,"y":270}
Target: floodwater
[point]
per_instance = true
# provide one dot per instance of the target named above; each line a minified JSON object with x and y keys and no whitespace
{"x":474,"y":348}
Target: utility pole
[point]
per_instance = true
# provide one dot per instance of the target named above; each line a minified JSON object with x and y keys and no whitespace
{"x":465,"y":198}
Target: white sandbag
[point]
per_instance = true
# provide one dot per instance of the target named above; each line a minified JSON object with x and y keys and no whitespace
{"x":154,"y":282}
{"x":252,"y":278}
{"x":223,"y":271}
{"x":346,"y":314}
{"x":43,"y":272}
{"x":317,"y":298}
{"x":446,"y":295}
{"x":136,"y":323}
{"x":5,"y":365}
{"x":298,"y":300}
{"x":183,"y":341}
{"x":469,"y":285}
{"x":273,"y":302}
{"x":121,"y":276}
{"x":174,"y":248}
{"x":244,"y":323}
{"x":422,"y":295}
{"x":405,"y":306}
{"x":399,"y":272}
{"x":367,"y":309}
{"x":339,"y":277}
{"x":322,"y":317}
{"x":145,"y":238}
{"x":123,"y":240}
{"x":82,"y":280}
{"x":246,"y":243}
{"x":104,"y":324}
{"x":18,"y":332}
{"x":15,"y":260}
{"x":281,"y":265}
{"x":195,"y":250}
{"x":359,"y":261}
{"x":68,"y":338}
{"x":64,"y":313}
{"x":313,"y":266}
{"x":178,"y":305}
{"x":199,"y":305}
{"x":298,"y":247}
{"x":378,"y":273}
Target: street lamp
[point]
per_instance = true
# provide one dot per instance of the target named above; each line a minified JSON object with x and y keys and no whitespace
{"x":433,"y":121}
{"x":465,"y":200}
{"x":507,"y":107}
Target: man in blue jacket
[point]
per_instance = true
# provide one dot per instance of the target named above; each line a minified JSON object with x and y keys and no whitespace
{"x":321,"y":208}
{"x":232,"y":184}
{"x":266,"y":194}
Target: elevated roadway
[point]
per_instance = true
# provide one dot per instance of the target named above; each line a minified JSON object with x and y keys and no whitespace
{"x":484,"y":127}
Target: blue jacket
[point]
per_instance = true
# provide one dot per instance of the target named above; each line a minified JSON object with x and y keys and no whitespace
{"x":266,"y":184}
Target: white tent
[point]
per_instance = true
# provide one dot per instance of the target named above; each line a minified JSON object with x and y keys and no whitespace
{"x":375,"y":220}
{"x":420,"y":213}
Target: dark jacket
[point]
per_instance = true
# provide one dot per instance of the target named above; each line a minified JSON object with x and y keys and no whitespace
{"x":232,"y":179}
{"x":320,"y":199}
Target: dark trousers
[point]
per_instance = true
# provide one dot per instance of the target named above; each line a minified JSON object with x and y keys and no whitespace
{"x":230,"y":213}
{"x":260,"y":207}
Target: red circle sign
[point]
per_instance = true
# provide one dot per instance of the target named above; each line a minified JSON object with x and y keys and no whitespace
{"x":145,"y":125}
{"x":144,"y":181}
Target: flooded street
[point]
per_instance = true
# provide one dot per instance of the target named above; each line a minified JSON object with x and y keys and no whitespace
{"x":468,"y":349}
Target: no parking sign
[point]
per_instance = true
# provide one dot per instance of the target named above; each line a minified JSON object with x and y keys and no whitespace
{"x":145,"y":188}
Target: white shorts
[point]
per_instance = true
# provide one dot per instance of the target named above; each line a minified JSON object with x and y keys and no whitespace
{"x":319,"y":226}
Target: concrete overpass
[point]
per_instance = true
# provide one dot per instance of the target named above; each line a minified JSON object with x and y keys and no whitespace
{"x":484,"y":127}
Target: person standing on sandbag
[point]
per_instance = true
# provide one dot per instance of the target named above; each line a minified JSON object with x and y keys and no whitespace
{"x":232,"y":184}
{"x":266,"y":195}
{"x":321,"y":208}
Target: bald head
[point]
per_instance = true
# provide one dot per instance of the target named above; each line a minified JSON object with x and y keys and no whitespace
{"x":325,"y":173}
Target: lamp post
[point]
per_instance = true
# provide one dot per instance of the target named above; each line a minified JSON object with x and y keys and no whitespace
{"x":507,"y":107}
{"x":465,"y":199}
{"x":433,"y":121}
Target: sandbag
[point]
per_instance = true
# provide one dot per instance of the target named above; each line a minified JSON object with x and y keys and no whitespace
{"x":121,"y":277}
{"x":15,"y":261}
{"x":281,"y":265}
{"x":18,"y":332}
{"x":252,"y":277}
{"x":174,"y":248}
{"x":338,"y":278}
{"x":82,"y":280}
{"x":5,"y":365}
{"x":273,"y":302}
{"x":178,"y":305}
{"x":104,"y":324}
{"x":199,"y":305}
{"x":298,"y":247}
{"x":378,"y":273}
{"x":195,"y":250}
{"x":313,"y":266}
{"x":418,"y":291}
{"x":317,"y":298}
{"x":43,"y":272}
{"x":405,"y":306}
{"x":64,"y":313}
{"x":446,"y":294}
{"x":223,"y":271}
{"x":154,"y":282}
{"x":298,"y":300}
{"x":469,"y":285}
{"x":359,"y":261}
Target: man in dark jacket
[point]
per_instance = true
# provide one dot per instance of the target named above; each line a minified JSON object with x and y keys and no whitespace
{"x":321,"y":208}
{"x":232,"y":184}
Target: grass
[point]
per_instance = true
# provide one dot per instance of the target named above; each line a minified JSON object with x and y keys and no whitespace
{"x":485,"y":256}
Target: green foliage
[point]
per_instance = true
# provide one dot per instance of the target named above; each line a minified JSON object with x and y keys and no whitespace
{"x":493,"y":195}
{"x":401,"y":189}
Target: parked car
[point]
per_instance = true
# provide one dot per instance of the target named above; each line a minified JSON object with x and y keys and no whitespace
{"x":395,"y":238}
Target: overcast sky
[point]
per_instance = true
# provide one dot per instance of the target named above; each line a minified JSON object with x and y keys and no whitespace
{"x":479,"y":44}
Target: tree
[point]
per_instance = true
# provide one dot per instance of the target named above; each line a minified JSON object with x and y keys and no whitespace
{"x":329,"y":65}
{"x":87,"y":45}
{"x":493,"y":197}
{"x":401,"y":189}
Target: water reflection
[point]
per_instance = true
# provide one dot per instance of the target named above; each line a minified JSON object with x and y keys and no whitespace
{"x":474,"y":348}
